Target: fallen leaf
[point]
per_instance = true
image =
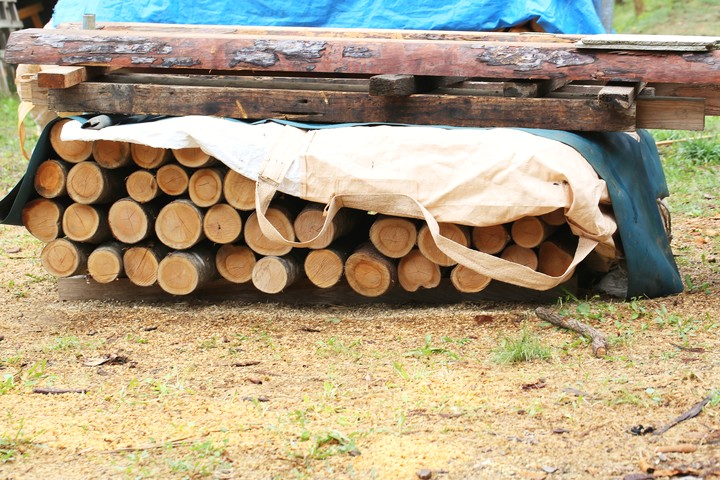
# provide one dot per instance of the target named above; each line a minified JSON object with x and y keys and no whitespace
{"x":108,"y":360}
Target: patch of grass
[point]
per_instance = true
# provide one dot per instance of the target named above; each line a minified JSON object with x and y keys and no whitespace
{"x":204,"y":459}
{"x":662,"y":16}
{"x":428,"y":350}
{"x":525,"y":348}
{"x":330,"y":443}
{"x":14,"y":443}
{"x":12,"y":162}
{"x":335,"y":346}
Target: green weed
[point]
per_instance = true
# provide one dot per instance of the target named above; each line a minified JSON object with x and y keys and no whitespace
{"x":428,"y":350}
{"x":205,"y":458}
{"x":335,"y":346}
{"x":330,"y":443}
{"x":14,"y":444}
{"x":525,"y":348}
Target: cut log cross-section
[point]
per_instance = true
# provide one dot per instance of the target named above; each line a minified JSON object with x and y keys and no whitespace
{"x":467,"y":280}
{"x":130,"y":221}
{"x":529,"y":232}
{"x":222,"y":224}
{"x":205,"y":188}
{"x":239,"y":191}
{"x":458,"y":233}
{"x":142,"y":186}
{"x":65,"y":258}
{"x":235,"y":263}
{"x":141,"y":263}
{"x":281,"y":215}
{"x":86,"y":223}
{"x":523,"y":256}
{"x":105,"y":263}
{"x":148,"y":157}
{"x":42,"y":217}
{"x":88,"y":183}
{"x":172,"y":179}
{"x":369,"y":272}
{"x":110,"y":154}
{"x":51,"y":178}
{"x":273,"y":274}
{"x":394,"y":237}
{"x":491,"y":239}
{"x":311,"y":219}
{"x":192,"y":157}
{"x":181,"y":273}
{"x":416,"y":271}
{"x":73,"y":151}
{"x":325,"y":267}
{"x":179,"y":224}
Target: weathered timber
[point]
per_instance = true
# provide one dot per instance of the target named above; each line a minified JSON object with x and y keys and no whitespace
{"x":393,"y":85}
{"x":172,"y":179}
{"x":415,"y":271}
{"x":710,"y":92}
{"x":683,"y":43}
{"x":131,"y":221}
{"x":110,"y":154}
{"x":88,"y":183}
{"x":371,"y":56}
{"x":179,"y":224}
{"x":181,"y":273}
{"x":274,"y":274}
{"x":206,"y":186}
{"x":141,"y":263}
{"x":222,"y":224}
{"x":56,"y":76}
{"x":65,"y":258}
{"x":617,"y":96}
{"x":491,"y":239}
{"x":235,"y":263}
{"x":671,"y":113}
{"x":585,"y":114}
{"x":146,"y":156}
{"x":105,"y":263}
{"x":142,"y":186}
{"x":42,"y":217}
{"x":468,"y":281}
{"x":523,"y":256}
{"x":394,"y":237}
{"x":529,"y":232}
{"x":50,"y":178}
{"x":369,"y":272}
{"x":73,"y":151}
{"x":457,"y":233}
{"x":86,"y":223}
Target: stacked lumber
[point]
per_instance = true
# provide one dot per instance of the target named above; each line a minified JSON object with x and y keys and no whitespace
{"x":180,"y":219}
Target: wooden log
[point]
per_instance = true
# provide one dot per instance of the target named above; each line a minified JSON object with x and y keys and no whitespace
{"x":181,"y":273}
{"x":529,"y":232}
{"x":416,"y":271}
{"x":42,"y":217}
{"x":281,"y":215}
{"x":521,"y":255}
{"x":458,"y":233}
{"x":64,"y":258}
{"x":86,"y":223}
{"x":172,"y":179}
{"x":142,"y":186}
{"x":310,"y":220}
{"x":88,"y":183}
{"x":393,"y":85}
{"x":222,"y":224}
{"x":369,"y":272}
{"x":239,"y":191}
{"x":491,"y":239}
{"x":192,"y":157}
{"x":141,"y":263}
{"x":110,"y":154}
{"x":51,"y":178}
{"x":105,"y":263}
{"x":394,"y":237}
{"x":555,"y":218}
{"x":149,"y":157}
{"x":132,"y":222}
{"x":325,"y":267}
{"x":235,"y":263}
{"x":467,"y":280}
{"x":73,"y":151}
{"x":273,"y":274}
{"x":554,"y":258}
{"x":206,"y":186}
{"x":179,"y":225}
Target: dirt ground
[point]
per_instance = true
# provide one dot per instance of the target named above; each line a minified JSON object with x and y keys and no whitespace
{"x":188,"y":389}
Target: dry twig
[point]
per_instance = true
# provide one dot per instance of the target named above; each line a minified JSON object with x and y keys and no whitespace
{"x":599,"y":341}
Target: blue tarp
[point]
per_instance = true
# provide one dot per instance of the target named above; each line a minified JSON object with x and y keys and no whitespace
{"x":556,"y":16}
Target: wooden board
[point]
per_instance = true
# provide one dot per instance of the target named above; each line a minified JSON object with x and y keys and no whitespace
{"x":305,"y":293}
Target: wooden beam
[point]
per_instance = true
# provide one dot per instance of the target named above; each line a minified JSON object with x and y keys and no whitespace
{"x":710,"y":92}
{"x":671,"y":113}
{"x":275,"y":53}
{"x":341,"y":107}
{"x":55,"y":76}
{"x":617,"y":96}
{"x":391,"y":85}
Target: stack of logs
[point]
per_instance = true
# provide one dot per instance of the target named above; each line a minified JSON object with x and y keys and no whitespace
{"x":180,"y":219}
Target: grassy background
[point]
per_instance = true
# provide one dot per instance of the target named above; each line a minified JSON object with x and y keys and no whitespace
{"x":677,"y":17}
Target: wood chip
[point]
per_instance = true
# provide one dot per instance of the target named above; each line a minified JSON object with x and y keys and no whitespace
{"x":679,"y":448}
{"x":57,"y":391}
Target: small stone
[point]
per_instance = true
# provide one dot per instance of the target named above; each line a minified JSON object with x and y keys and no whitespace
{"x":424,"y":474}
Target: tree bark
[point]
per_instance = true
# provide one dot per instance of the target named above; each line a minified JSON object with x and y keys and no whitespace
{"x":179,"y":225}
{"x":86,"y":223}
{"x":181,"y":273}
{"x":73,"y":151}
{"x":458,"y":233}
{"x":105,"y":263}
{"x":599,"y":341}
{"x":394,"y":237}
{"x":369,"y":272}
{"x":235,"y":263}
{"x":222,"y":224}
{"x":51,"y":178}
{"x":416,"y":271}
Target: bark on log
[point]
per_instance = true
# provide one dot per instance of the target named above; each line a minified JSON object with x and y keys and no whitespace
{"x":110,"y":154}
{"x":73,"y":151}
{"x":492,"y":239}
{"x":42,"y":217}
{"x":88,"y":183}
{"x":132,"y":222}
{"x":172,"y":179}
{"x":181,"y":273}
{"x":149,"y":157}
{"x":235,"y":263}
{"x":394,"y":237}
{"x":192,"y":157}
{"x":468,"y":281}
{"x":86,"y":223}
{"x":458,"y":233}
{"x":529,"y":232}
{"x":369,"y":272}
{"x":521,"y":255}
{"x":105,"y":263}
{"x":64,"y":258}
{"x":222,"y":224}
{"x":281,"y":215}
{"x":273,"y":274}
{"x":599,"y":341}
{"x":239,"y":191}
{"x":553,"y":258}
{"x":205,"y":188}
{"x":141,"y":263}
{"x":325,"y":267}
{"x":142,"y":186}
{"x":179,"y":225}
{"x":51,"y":178}
{"x":415,"y":270}
{"x":310,"y":220}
